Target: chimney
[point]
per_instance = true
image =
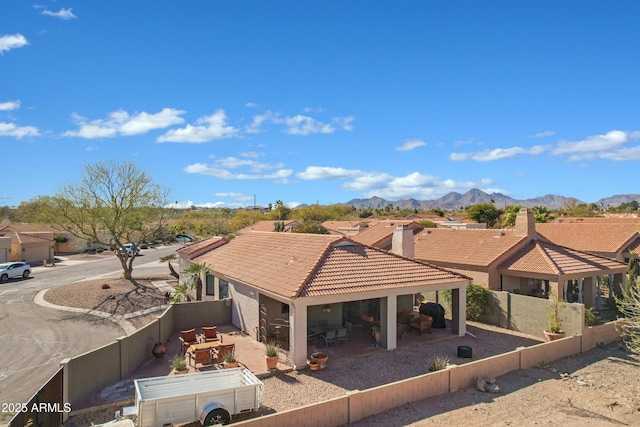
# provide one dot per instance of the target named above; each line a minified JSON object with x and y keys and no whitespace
{"x":525,"y":224}
{"x":402,"y":242}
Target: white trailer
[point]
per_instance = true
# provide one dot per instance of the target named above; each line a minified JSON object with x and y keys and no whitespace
{"x":211,"y":397}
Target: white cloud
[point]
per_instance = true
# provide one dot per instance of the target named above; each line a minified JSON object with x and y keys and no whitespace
{"x":229,"y":195}
{"x":257,"y":122}
{"x":304,"y":125}
{"x":324,"y":172}
{"x":545,"y":134}
{"x":122,"y":123}
{"x":63,"y":13}
{"x":251,"y":105}
{"x":12,"y":41}
{"x":411,"y":144}
{"x":208,"y":128}
{"x":9,"y":105}
{"x":603,"y":146}
{"x":344,"y":122}
{"x":498,"y":153}
{"x":631,"y":153}
{"x":10,"y":129}
{"x":252,"y":154}
{"x":220,"y":169}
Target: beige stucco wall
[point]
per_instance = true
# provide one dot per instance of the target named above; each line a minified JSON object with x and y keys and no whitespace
{"x":5,"y":249}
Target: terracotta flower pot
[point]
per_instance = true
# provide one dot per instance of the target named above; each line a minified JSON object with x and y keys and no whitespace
{"x":320,"y":358}
{"x":159,"y":350}
{"x":228,"y":365}
{"x":272,"y":362}
{"x":313,"y":366}
{"x":552,"y":336}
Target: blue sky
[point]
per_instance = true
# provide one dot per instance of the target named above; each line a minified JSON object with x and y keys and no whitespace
{"x":323,"y":102}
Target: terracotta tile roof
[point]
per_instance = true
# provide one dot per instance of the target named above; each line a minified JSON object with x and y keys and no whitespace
{"x":356,"y":268}
{"x":378,"y":233}
{"x":192,"y":248}
{"x":546,"y":258}
{"x":297,"y":264}
{"x":465,"y":247}
{"x":267,"y":226}
{"x":634,"y":247}
{"x":590,"y":237}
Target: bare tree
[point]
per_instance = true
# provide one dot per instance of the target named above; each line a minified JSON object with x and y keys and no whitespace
{"x":113,"y":204}
{"x":168,"y":259}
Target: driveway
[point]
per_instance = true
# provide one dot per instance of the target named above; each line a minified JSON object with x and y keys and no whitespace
{"x":34,"y":339}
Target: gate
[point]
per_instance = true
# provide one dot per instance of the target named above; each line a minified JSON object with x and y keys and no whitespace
{"x":45,"y":408}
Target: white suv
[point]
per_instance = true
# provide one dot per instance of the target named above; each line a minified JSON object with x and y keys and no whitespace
{"x":131,"y":249}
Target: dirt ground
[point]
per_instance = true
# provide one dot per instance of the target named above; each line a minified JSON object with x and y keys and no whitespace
{"x":597,"y":388}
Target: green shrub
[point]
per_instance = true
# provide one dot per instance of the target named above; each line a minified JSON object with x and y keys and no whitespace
{"x":99,"y":250}
{"x":477,"y":300}
{"x":591,"y":317}
{"x":177,"y":362}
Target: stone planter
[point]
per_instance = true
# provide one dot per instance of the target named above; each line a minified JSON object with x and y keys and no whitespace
{"x":184,"y":371}
{"x":228,"y":365}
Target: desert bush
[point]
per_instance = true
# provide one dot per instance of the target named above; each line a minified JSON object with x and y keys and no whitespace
{"x":439,"y":363}
{"x":477,"y":300}
{"x":591,"y":317}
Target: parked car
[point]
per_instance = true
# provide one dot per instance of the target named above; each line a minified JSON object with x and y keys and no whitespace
{"x":184,"y":238}
{"x":9,"y":270}
{"x":131,"y":249}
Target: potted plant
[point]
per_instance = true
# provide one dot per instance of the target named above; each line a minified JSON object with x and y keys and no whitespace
{"x":229,"y":360}
{"x":554,"y":321}
{"x":179,"y":365}
{"x":376,"y":332}
{"x":271,"y":355}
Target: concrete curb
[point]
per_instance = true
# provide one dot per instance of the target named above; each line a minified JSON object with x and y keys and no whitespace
{"x":121,"y":320}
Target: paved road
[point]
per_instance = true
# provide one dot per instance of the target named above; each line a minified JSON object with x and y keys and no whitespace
{"x":34,"y":339}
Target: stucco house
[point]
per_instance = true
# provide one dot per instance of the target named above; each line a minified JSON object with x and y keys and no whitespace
{"x":296,"y":279}
{"x":519,"y":260}
{"x":289,"y":226}
{"x":33,"y":247}
{"x":380,"y":234}
{"x":615,"y":239}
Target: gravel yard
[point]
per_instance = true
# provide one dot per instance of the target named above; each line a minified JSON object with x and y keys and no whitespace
{"x":597,"y":388}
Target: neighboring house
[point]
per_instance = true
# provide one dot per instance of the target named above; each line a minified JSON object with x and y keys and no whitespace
{"x":31,"y":247}
{"x":612,"y":239}
{"x":189,"y":251}
{"x":379,"y":235}
{"x":73,"y":244}
{"x":295,"y":279}
{"x":346,"y":228}
{"x":518,"y":260}
{"x":289,"y":225}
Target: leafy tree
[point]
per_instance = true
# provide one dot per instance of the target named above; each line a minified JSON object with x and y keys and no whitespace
{"x":114,"y":203}
{"x":196,"y":272}
{"x":541,"y":214}
{"x":427,"y":224}
{"x":632,"y":272}
{"x":477,"y":300}
{"x":437,"y":211}
{"x":365,"y":212}
{"x":509,"y":215}
{"x":278,"y":226}
{"x":281,"y":211}
{"x":484,"y":213}
{"x":311,"y":227}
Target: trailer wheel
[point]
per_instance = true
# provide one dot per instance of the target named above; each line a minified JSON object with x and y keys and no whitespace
{"x":217,"y":416}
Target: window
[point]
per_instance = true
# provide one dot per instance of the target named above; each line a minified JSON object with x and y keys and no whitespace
{"x":210,"y":285}
{"x":285,"y":308}
{"x":223,"y":287}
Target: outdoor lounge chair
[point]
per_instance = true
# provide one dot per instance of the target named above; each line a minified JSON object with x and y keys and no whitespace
{"x":202,"y":357}
{"x":422,"y":324}
{"x":188,"y":337}
{"x":209,"y":334}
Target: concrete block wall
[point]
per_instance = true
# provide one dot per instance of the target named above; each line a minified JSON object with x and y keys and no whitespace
{"x":359,"y":404}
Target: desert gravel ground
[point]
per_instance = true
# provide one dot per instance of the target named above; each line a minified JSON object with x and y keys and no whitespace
{"x":597,"y":388}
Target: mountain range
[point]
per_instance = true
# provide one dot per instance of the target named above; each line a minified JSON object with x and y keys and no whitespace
{"x":458,"y":201}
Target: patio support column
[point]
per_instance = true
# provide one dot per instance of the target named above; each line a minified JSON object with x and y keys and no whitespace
{"x":298,"y":332}
{"x":390,"y":326}
{"x":589,"y":291}
{"x":580,"y":284}
{"x":459,"y":311}
{"x":599,"y":293}
{"x":564,"y":292}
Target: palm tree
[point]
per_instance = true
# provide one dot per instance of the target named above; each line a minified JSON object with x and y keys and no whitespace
{"x":197,"y":271}
{"x":168,"y":259}
{"x":509,"y":216}
{"x":541,"y":213}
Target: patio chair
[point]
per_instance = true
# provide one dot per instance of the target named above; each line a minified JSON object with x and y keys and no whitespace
{"x":329,"y":337}
{"x":209,"y":334}
{"x":341,"y":337}
{"x":422,"y":324}
{"x":188,"y":337}
{"x":223,"y":350}
{"x":203,"y":357}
